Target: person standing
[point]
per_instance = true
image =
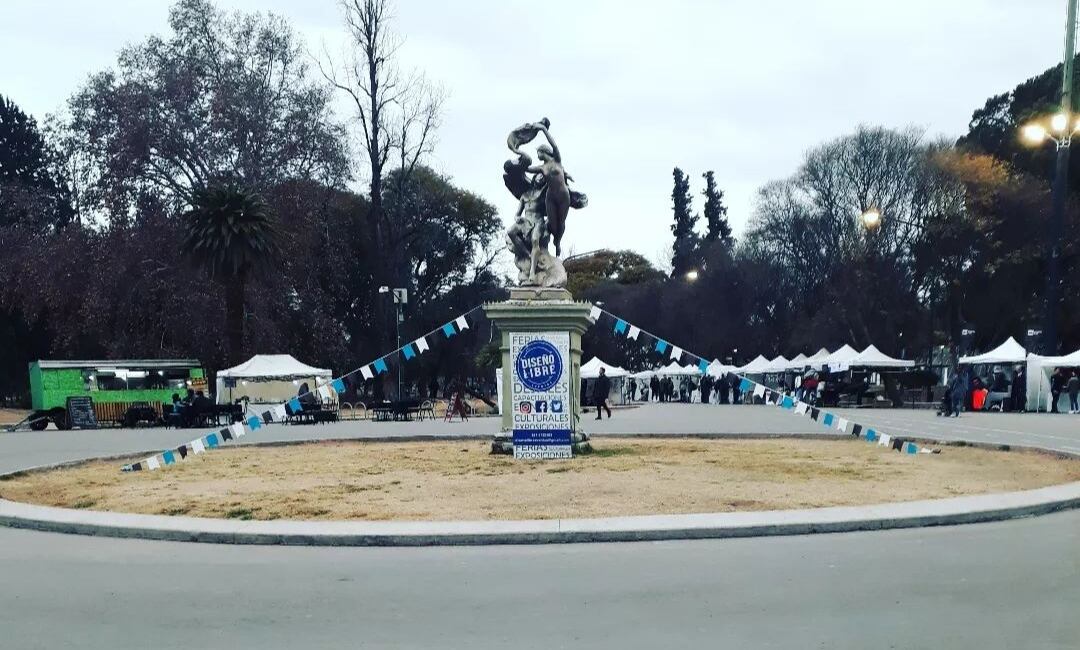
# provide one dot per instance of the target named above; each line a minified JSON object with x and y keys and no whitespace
{"x":706,"y":389}
{"x":1018,"y":390}
{"x":1057,"y":385}
{"x":601,"y":389}
{"x":1073,"y":386}
{"x":654,"y":389}
{"x":633,"y":390}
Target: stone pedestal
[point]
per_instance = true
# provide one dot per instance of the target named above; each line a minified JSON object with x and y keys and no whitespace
{"x":535,"y":310}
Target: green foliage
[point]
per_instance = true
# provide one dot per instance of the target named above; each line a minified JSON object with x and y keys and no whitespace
{"x":684,"y":250}
{"x":716,"y":213}
{"x":229,"y":232}
{"x":31,"y":194}
{"x":623,"y":267}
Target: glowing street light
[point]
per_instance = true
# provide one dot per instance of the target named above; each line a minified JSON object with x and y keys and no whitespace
{"x":871,"y":219}
{"x":692,"y":275}
{"x":1059,"y":132}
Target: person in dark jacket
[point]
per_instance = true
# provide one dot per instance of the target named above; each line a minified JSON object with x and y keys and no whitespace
{"x":1057,"y":385}
{"x":601,"y":389}
{"x":654,"y":389}
{"x":1018,"y":390}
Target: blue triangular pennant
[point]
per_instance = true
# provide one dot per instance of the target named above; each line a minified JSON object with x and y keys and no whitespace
{"x":449,"y":330}
{"x":338,"y":386}
{"x":620,"y":326}
{"x":661,"y":346}
{"x":380,"y":366}
{"x":408,"y":351}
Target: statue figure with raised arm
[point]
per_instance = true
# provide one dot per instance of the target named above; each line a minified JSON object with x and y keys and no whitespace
{"x":544,"y":200}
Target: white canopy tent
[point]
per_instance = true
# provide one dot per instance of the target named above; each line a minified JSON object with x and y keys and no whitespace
{"x":717,"y":369}
{"x":268,"y":379}
{"x":817,"y":359}
{"x":591,"y":369}
{"x":644,"y":374}
{"x":757,"y":366}
{"x":779,"y":364}
{"x":673,"y":369}
{"x":797,"y":363}
{"x":871,"y":357}
{"x":840,"y":359}
{"x":1039,"y":369}
{"x":1008,"y":352}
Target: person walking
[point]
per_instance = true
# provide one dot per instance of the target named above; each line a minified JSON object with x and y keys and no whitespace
{"x":956,"y":392}
{"x":1073,"y":386}
{"x":601,"y":389}
{"x":1057,"y":385}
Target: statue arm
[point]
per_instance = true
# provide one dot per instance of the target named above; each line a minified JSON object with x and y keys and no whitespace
{"x":551,"y":141}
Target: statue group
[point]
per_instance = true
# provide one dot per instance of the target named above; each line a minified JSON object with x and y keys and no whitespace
{"x":544,"y":200}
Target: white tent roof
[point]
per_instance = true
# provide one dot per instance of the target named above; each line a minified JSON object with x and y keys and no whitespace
{"x":758,"y":365}
{"x":591,"y":369}
{"x":1066,"y":361}
{"x":779,"y":364}
{"x":674,"y":369}
{"x":644,"y":374}
{"x":871,"y":357}
{"x":273,"y":366}
{"x":1008,"y":352}
{"x":717,"y":369}
{"x":842,"y":357}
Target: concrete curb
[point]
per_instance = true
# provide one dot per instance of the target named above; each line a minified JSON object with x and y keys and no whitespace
{"x":941,"y":512}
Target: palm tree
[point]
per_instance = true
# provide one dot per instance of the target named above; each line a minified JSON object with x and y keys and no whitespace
{"x":229,"y":232}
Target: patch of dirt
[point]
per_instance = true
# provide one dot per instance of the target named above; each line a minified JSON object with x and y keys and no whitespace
{"x":460,"y":480}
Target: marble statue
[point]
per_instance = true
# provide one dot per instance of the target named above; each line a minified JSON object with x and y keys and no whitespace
{"x":544,"y":200}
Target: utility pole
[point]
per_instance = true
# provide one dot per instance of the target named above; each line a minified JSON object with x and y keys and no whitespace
{"x":1060,"y":190}
{"x":401,"y":296}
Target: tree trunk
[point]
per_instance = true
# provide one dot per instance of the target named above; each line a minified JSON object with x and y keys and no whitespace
{"x":234,"y":320}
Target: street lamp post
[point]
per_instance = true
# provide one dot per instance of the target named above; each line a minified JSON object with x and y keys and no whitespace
{"x":1062,"y":128}
{"x":400,"y":296}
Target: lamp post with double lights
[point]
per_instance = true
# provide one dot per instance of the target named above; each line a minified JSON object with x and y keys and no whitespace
{"x":1063,"y":127}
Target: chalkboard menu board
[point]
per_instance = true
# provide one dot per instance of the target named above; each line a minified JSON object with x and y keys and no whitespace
{"x":81,"y":413}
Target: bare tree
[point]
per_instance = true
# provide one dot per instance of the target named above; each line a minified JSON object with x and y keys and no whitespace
{"x":397,"y":113}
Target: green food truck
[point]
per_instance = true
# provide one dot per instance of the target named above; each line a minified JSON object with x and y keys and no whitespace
{"x":84,"y":393}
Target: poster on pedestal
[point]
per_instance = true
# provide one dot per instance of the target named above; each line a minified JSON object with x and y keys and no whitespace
{"x":540,"y":395}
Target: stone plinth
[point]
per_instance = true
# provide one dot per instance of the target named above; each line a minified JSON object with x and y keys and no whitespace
{"x":534,"y":310}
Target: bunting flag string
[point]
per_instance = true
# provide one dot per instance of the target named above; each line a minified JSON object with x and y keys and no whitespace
{"x":768,"y":395}
{"x":324,"y":389}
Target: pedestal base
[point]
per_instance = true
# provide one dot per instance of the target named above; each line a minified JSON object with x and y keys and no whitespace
{"x":544,"y":313}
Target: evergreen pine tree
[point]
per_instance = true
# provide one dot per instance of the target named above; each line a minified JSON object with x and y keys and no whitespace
{"x":685,"y":249}
{"x":716,"y":212}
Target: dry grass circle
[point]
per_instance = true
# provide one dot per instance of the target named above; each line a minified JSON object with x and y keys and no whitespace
{"x":460,"y":481}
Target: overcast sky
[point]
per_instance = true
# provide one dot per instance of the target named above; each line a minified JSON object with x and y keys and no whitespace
{"x":633,"y":88}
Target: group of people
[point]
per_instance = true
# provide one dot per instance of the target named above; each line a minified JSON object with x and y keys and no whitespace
{"x":1065,"y":381}
{"x":705,"y":390}
{"x":968,"y":391}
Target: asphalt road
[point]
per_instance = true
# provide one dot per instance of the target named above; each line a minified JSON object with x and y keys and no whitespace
{"x":1012,"y":584}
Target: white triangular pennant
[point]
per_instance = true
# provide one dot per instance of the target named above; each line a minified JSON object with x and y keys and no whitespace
{"x":421,"y":344}
{"x":197,"y":446}
{"x":759,"y":390}
{"x":366,"y":372}
{"x":676,"y":353}
{"x":801,"y":408}
{"x":841,"y":425}
{"x":280,"y":413}
{"x":594,"y":314}
{"x":633,"y":333}
{"x":152,"y":462}
{"x":326,"y":393}
{"x":462,"y":323}
{"x":885,"y":440}
{"x":238,"y":430}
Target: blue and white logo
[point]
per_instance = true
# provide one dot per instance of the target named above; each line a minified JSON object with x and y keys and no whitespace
{"x":539,"y":365}
{"x":556,"y":406}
